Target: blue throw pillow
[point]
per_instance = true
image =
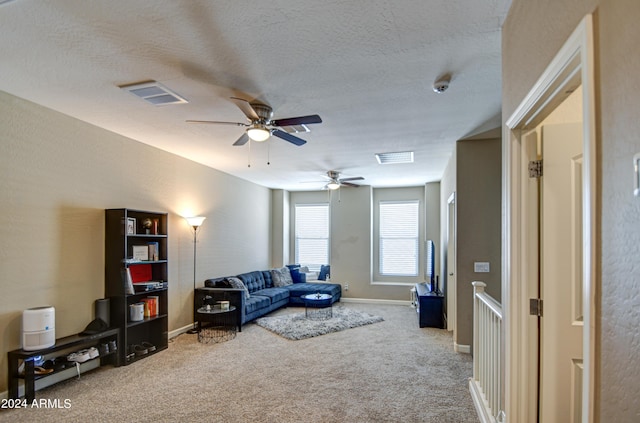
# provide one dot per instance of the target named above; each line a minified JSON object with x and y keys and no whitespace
{"x":324,"y":272}
{"x":297,"y":276}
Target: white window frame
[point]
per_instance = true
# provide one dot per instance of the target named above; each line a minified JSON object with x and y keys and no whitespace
{"x":397,"y":195}
{"x":314,"y":267}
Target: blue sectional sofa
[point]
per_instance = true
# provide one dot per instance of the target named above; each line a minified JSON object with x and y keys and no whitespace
{"x":263,"y":296}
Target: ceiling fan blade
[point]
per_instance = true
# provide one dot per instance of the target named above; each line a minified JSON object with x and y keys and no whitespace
{"x":348,"y":184}
{"x":217,"y":122}
{"x":357,"y":178}
{"x":242,"y":140}
{"x":246,"y":108}
{"x":288,"y":137}
{"x":300,"y":120}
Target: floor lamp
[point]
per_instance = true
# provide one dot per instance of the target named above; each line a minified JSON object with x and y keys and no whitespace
{"x":195,"y":222}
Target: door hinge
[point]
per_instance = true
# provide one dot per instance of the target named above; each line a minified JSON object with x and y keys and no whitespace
{"x":535,"y":307}
{"x":535,"y":169}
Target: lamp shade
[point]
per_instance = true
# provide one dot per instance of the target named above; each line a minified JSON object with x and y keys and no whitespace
{"x":195,"y":221}
{"x":333,"y":185}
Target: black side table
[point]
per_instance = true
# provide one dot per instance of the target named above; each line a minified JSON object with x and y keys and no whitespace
{"x":221,"y":324}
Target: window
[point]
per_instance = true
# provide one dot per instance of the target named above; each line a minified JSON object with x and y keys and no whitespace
{"x":312,"y":235}
{"x":399,"y":236}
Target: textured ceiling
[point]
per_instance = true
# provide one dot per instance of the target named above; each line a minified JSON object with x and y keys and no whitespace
{"x":365,"y":66}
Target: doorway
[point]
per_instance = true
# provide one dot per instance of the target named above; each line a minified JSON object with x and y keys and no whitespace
{"x":524,"y":257}
{"x":556,"y":276}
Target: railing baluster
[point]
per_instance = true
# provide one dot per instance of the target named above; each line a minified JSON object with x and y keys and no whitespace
{"x":487,"y":359}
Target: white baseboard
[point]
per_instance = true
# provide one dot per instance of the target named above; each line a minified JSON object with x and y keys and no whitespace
{"x":180,"y":331}
{"x":465,"y":349}
{"x":482,"y":408}
{"x":374,"y":301}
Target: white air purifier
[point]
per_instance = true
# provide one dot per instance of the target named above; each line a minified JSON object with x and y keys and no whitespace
{"x":38,"y":328}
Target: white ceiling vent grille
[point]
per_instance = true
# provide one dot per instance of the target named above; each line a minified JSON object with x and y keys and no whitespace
{"x":154,"y":93}
{"x":395,"y":158}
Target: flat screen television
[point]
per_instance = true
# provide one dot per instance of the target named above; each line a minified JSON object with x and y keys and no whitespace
{"x":429,"y":264}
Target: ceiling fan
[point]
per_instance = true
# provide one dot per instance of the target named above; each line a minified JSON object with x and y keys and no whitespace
{"x":261,"y":126}
{"x":335,"y":181}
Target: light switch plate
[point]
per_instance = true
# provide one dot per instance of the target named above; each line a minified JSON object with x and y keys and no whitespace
{"x":481,"y":267}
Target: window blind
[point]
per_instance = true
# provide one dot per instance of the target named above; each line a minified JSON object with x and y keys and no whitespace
{"x":312,"y":235}
{"x":399,"y":238}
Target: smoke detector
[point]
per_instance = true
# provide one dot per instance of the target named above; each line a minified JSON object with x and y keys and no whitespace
{"x":441,"y":84}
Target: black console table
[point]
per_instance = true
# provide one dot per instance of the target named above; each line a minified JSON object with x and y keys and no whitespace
{"x":430,"y":307}
{"x":62,"y":346}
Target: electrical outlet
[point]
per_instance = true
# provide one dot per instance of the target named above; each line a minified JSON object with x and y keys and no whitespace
{"x":346,"y":286}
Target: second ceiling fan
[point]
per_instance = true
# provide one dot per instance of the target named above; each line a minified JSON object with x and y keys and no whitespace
{"x":260,"y":126}
{"x":335,"y":181}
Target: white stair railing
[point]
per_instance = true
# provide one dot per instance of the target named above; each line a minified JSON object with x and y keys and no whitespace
{"x":486,"y":383}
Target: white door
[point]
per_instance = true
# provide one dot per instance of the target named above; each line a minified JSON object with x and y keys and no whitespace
{"x":561,"y":258}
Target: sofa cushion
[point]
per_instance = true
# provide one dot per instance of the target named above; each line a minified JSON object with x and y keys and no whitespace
{"x":299,"y":289}
{"x":281,"y":277}
{"x":238,"y":284}
{"x":256,"y":302}
{"x":274,"y":294}
{"x":268,"y":281}
{"x":254,"y":281}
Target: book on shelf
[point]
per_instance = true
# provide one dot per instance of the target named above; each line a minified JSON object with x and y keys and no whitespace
{"x":154,"y":251}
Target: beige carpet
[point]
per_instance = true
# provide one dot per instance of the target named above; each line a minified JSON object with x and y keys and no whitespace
{"x":390,"y":371}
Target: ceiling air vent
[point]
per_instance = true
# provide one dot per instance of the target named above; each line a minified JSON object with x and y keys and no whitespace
{"x":154,"y":93}
{"x":395,"y":158}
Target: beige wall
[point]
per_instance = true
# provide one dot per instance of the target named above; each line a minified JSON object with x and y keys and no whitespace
{"x":432,"y":219}
{"x":532,"y":35}
{"x":474,"y":175}
{"x":280,"y":228}
{"x":351,"y":240}
{"x":447,"y":189}
{"x":59,"y":174}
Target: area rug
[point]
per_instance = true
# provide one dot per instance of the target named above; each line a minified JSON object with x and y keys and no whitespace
{"x":296,"y":326}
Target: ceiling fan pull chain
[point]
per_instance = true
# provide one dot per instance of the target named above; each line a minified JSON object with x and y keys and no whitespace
{"x":268,"y":153}
{"x":249,"y":156}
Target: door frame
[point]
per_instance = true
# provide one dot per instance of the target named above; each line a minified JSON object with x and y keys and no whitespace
{"x":451,"y":288}
{"x":573,"y":65}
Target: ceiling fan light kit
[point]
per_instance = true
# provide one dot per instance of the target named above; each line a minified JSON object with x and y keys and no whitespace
{"x":335,"y":181}
{"x":258,"y":133}
{"x":261,"y":127}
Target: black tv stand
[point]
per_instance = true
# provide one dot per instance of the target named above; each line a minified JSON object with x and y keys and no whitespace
{"x":429,"y":306}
